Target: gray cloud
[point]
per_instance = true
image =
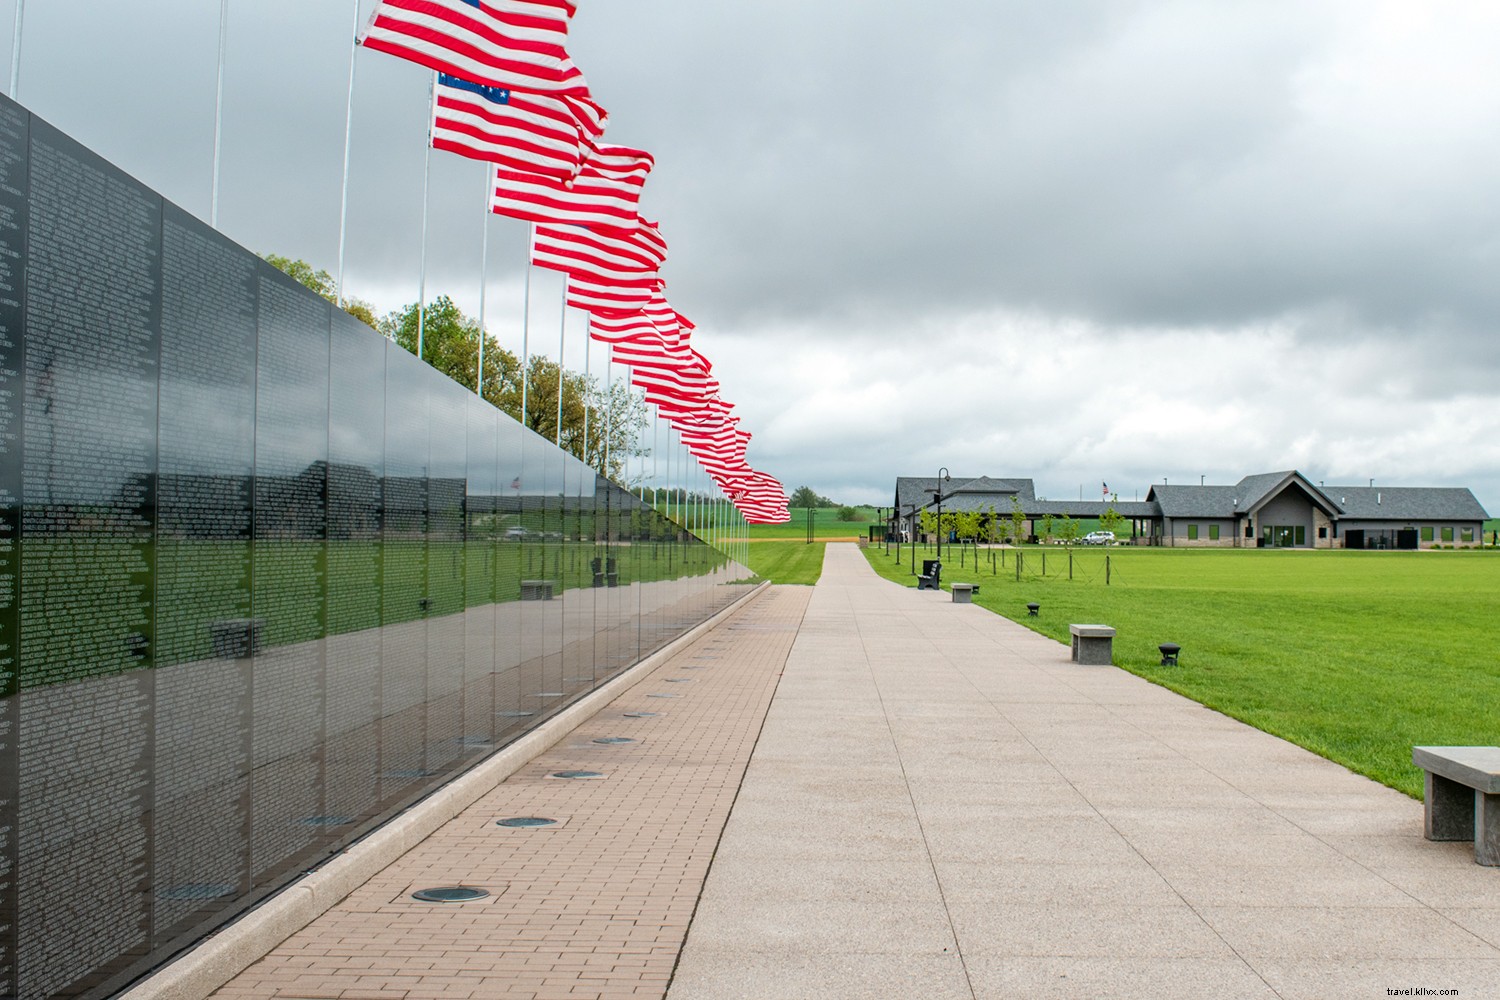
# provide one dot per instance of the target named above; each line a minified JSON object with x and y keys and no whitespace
{"x":1289,"y":205}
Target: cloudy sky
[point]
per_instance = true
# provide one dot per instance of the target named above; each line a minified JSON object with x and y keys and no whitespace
{"x":1083,"y":241}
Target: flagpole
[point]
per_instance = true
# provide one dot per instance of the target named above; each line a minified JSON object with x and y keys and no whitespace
{"x":609,"y":411}
{"x":426,"y":192}
{"x":562,"y":334}
{"x":15,"y":52}
{"x":588,"y":345}
{"x":213,"y":209}
{"x":484,"y":273}
{"x":348,"y":134}
{"x":526,"y":326}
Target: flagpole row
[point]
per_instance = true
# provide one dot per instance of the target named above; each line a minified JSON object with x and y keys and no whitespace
{"x":338,"y":288}
{"x":213,"y":206}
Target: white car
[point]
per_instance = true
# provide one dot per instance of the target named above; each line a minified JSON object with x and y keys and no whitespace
{"x":1099,"y":538}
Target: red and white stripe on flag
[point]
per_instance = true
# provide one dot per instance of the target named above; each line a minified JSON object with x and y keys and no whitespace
{"x":606,"y":193}
{"x":606,"y":273}
{"x":613,"y":329}
{"x":532,"y":133}
{"x":516,"y":44}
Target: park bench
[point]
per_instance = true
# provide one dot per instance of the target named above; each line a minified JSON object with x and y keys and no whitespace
{"x":931,"y":575}
{"x":1093,"y":645}
{"x":536,"y":590}
{"x":963,"y":593}
{"x":1461,"y":797}
{"x":236,"y":638}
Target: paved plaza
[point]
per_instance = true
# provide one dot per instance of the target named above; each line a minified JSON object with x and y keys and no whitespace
{"x":860,"y":790}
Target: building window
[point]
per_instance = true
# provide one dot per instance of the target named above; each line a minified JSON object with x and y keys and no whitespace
{"x":1192,"y":532}
{"x":1448,"y":534}
{"x":1427,"y":533}
{"x":1322,"y":532}
{"x":1249,"y":530}
{"x":1213,"y":532}
{"x":1468,"y":534}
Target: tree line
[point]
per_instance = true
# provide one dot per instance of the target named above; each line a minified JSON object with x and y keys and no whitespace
{"x":600,"y":425}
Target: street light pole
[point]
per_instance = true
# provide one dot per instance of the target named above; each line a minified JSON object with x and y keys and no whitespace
{"x":937,"y":494}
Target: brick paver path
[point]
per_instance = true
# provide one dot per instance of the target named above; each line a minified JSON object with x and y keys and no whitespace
{"x":597,"y":906}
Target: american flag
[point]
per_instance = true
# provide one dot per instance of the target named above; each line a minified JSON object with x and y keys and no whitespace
{"x":515,"y":44}
{"x":605,"y":195}
{"x":1106,"y":491}
{"x":532,"y":133}
{"x":606,"y":273}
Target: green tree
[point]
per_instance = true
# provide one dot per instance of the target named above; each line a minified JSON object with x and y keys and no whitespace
{"x":1112,"y":520}
{"x":1049,"y":527}
{"x":804,"y":496}
{"x":321,"y":282}
{"x":848,"y":514}
{"x":1068,"y":529}
{"x":1017,"y":520}
{"x":609,"y":419}
{"x":929,"y":521}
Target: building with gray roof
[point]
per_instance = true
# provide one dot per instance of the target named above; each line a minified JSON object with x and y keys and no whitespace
{"x":1268,"y":510}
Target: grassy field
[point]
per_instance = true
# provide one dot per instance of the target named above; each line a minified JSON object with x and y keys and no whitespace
{"x":788,"y":561}
{"x":826,"y":526}
{"x":1356,"y":656}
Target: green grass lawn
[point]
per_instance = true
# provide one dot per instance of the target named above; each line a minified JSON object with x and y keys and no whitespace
{"x":787,"y":561}
{"x":1356,"y":656}
{"x":826,"y":525}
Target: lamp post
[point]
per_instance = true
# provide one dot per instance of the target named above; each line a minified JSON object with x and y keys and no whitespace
{"x":937,"y":495}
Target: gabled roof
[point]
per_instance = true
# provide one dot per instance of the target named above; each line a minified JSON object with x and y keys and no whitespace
{"x":1195,"y":501}
{"x":1245,"y":497}
{"x":918,"y":490}
{"x":1407,"y":503}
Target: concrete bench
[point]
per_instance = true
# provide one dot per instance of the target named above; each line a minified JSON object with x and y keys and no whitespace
{"x":1462,"y":797}
{"x":536,"y":590}
{"x":1093,"y":645}
{"x":236,"y":638}
{"x":963,"y":593}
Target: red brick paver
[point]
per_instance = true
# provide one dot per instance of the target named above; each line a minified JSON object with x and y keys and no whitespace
{"x":596,"y":907}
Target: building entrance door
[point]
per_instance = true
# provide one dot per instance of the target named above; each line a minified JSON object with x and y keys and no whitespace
{"x":1284,"y":536}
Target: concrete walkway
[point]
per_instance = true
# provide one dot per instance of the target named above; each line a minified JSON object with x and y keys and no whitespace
{"x":938,"y":805}
{"x":941,"y":805}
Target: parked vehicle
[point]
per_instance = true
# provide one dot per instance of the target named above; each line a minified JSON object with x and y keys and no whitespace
{"x":1099,"y":538}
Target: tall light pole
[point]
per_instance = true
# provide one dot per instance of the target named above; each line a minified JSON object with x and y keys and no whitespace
{"x":937,"y":494}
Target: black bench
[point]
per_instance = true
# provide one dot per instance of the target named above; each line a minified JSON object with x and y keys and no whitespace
{"x":1461,"y":797}
{"x":931,"y":575}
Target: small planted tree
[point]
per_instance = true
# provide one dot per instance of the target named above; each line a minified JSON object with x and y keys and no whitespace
{"x":1017,"y":520}
{"x":1049,"y":528}
{"x":1067,"y":529}
{"x":929,"y":522}
{"x":1112,"y":521}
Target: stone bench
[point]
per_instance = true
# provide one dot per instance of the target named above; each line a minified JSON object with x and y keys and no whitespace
{"x":1093,"y":645}
{"x":536,"y":590}
{"x":236,"y":638}
{"x":963,"y":593}
{"x":1461,"y":797}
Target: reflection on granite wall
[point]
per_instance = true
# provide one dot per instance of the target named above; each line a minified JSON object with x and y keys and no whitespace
{"x":265,"y":578}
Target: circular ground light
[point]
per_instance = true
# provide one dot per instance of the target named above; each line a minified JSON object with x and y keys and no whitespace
{"x":450,"y":894}
{"x":642,"y":715}
{"x":614,"y":741}
{"x":577,"y":774}
{"x":526,"y":822}
{"x":198,"y":890}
